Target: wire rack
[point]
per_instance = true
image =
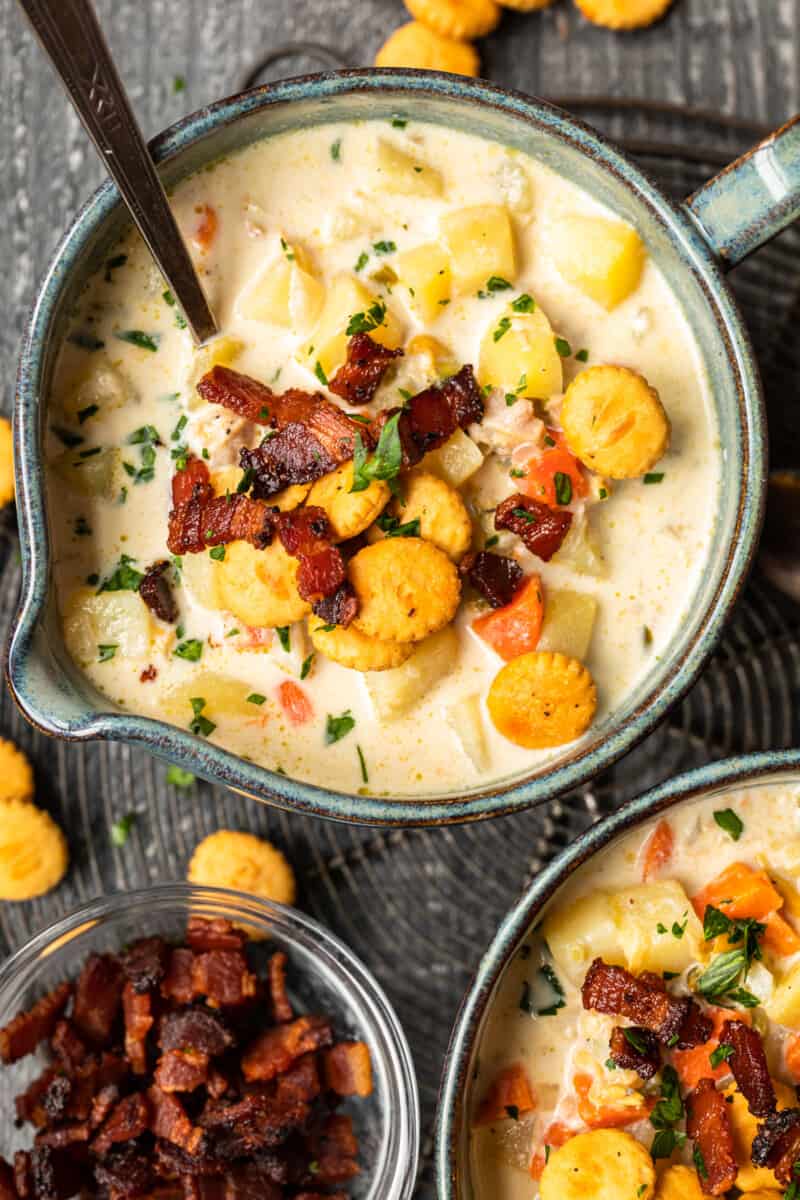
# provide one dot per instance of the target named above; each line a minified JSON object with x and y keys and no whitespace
{"x":419,"y":907}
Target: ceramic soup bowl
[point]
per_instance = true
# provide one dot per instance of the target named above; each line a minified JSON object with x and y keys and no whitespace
{"x":692,"y":244}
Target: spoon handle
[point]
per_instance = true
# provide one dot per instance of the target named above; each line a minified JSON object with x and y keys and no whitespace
{"x":73,"y":40}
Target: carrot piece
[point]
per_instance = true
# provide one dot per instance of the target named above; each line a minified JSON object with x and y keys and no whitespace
{"x":295,"y":702}
{"x":207,"y":227}
{"x":515,"y":628}
{"x":657,"y":851}
{"x":605,"y":1118}
{"x":779,"y":936}
{"x":792,"y":1056}
{"x":555,"y":1136}
{"x":739,"y":891}
{"x":695,"y":1064}
{"x":510,"y":1095}
{"x":539,"y":480}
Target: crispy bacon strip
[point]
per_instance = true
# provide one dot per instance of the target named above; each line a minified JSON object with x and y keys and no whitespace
{"x":145,"y":963}
{"x":348,"y":1069}
{"x":223,"y":978}
{"x":541,"y":529}
{"x":124,"y":1174}
{"x":127,"y":1121}
{"x":306,"y":534}
{"x":98,"y":995}
{"x":69,"y":1049}
{"x":168,"y":1120}
{"x":289,"y":457}
{"x":177,"y":983}
{"x":748,"y":1063}
{"x":195,"y":1029}
{"x":66,"y":1135}
{"x":22,"y":1035}
{"x":696,"y":1029}
{"x":614,"y":990}
{"x":708,"y":1124}
{"x":335,"y":1150}
{"x":281,"y":1004}
{"x":157,"y":594}
{"x":339,"y":608}
{"x":137,"y":1011}
{"x":495,"y":576}
{"x":7,"y":1189}
{"x":777,"y":1144}
{"x":635,"y":1049}
{"x":301,"y":1081}
{"x":199,"y":519}
{"x":217,"y":934}
{"x":359,"y":378}
{"x":274,"y":1051}
{"x":181,"y":1070}
{"x":433,"y":415}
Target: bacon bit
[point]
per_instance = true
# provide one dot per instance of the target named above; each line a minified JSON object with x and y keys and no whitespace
{"x":102,"y":1105}
{"x":69,"y":1049}
{"x":359,"y":378}
{"x":157,"y":594}
{"x":626,"y":1055}
{"x":168,"y":1120}
{"x":90,"y":1078}
{"x":192,"y":483}
{"x":607,"y":1118}
{"x":301,"y":1081}
{"x":613,"y":990}
{"x":66,"y":1135}
{"x":339,"y":608}
{"x":295,"y":703}
{"x":30,"y":1104}
{"x":694,"y":1064}
{"x":540,"y":528}
{"x":22,"y":1035}
{"x":7,"y":1189}
{"x":22,"y":1174}
{"x":433,"y":415}
{"x":335,"y":1150}
{"x":497,"y":577}
{"x":748,"y":1064}
{"x":217,"y":1084}
{"x":98,"y":995}
{"x":777,"y":1144}
{"x":182,"y":1070}
{"x":539,"y":481}
{"x":137,"y":1010}
{"x":199,"y":524}
{"x":128,"y":1120}
{"x":257,"y":1121}
{"x":657,"y":852}
{"x":125,"y":1174}
{"x":195,"y":1029}
{"x":555,"y":1136}
{"x":348,"y":1069}
{"x":206,"y":229}
{"x":144,"y":963}
{"x":217,"y":934}
{"x":223,"y":978}
{"x":274,"y":1051}
{"x":177,"y":984}
{"x":148,"y":674}
{"x":281,"y":1005}
{"x":289,"y":457}
{"x":708,"y":1124}
{"x":509,"y":1093}
{"x":306,"y":534}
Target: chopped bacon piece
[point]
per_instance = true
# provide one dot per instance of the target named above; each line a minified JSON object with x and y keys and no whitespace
{"x":306,"y":534}
{"x":102,"y":1104}
{"x":359,"y":378}
{"x":98,"y":995}
{"x":217,"y":1084}
{"x":177,"y":984}
{"x":193,"y":482}
{"x":145,"y":963}
{"x":289,"y":457}
{"x":22,"y":1035}
{"x":273,"y":1052}
{"x":181,"y":1070}
{"x":635,"y":1050}
{"x":127,"y":1121}
{"x":348,"y":1069}
{"x":696,"y":1029}
{"x":54,"y":1175}
{"x":65,"y":1135}
{"x":168,"y":1120}
{"x":433,"y":415}
{"x":708,"y":1124}
{"x":495,"y":576}
{"x":613,"y":990}
{"x":301,"y":1081}
{"x":251,"y":1182}
{"x":92,"y":1076}
{"x":124,"y":1174}
{"x":222,"y":977}
{"x":68,"y":1047}
{"x":195,"y":1029}
{"x":148,"y":674}
{"x":542,"y":529}
{"x":7,"y":1189}
{"x":217,"y":934}
{"x":157,"y":594}
{"x":777,"y":1144}
{"x":200,"y":524}
{"x":335,"y":1149}
{"x":339,"y":608}
{"x":137,"y":1009}
{"x":259,"y":1120}
{"x":23,"y":1180}
{"x":30,"y":1104}
{"x":281,"y":1004}
{"x":748,"y":1063}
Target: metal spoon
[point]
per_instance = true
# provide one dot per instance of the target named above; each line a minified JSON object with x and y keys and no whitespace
{"x":74,"y":42}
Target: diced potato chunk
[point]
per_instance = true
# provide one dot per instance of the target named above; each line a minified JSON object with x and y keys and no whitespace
{"x":623,"y":928}
{"x":285,"y":292}
{"x":439,"y":360}
{"x":425,"y":273}
{"x":568,"y":622}
{"x":345,"y":298}
{"x":518,"y":354}
{"x":399,"y":172}
{"x":455,"y":461}
{"x":784,"y":1005}
{"x":101,"y":385}
{"x":602,"y":258}
{"x":395,"y":692}
{"x":199,"y":577}
{"x":100,"y":475}
{"x":116,"y":619}
{"x":481,"y":244}
{"x":223,"y":695}
{"x":579,"y":551}
{"x":466,"y":718}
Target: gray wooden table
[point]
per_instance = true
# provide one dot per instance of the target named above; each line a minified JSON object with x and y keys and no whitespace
{"x":738,"y":57}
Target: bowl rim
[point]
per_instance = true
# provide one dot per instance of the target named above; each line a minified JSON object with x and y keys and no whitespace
{"x":382,"y":1026}
{"x":742,"y":771}
{"x":221,"y":765}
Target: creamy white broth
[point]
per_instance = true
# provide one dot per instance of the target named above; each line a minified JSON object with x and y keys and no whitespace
{"x":553,"y":1049}
{"x":655,"y":540}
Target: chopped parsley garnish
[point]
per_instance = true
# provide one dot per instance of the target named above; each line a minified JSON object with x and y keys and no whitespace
{"x":634,"y":1038}
{"x":256,"y":698}
{"x":562,"y":347}
{"x":107,"y":652}
{"x":178,"y":84}
{"x":549,"y":976}
{"x":191,"y":650}
{"x":245,"y":482}
{"x":338,"y":727}
{"x":320,"y":374}
{"x":82,"y":527}
{"x":495,"y":283}
{"x":287,"y":251}
{"x":603,"y":493}
{"x":525,"y":515}
{"x":89,"y":453}
{"x":180,"y":319}
{"x":582,"y":355}
{"x":517,"y":473}
{"x":306,"y":667}
{"x":336,"y":150}
{"x":147,"y":438}
{"x":502,"y":329}
{"x":70,"y":439}
{"x":653,"y":477}
{"x":284,"y":637}
{"x":399,"y":122}
{"x":361,"y":261}
{"x":89,"y":411}
{"x":727,"y":819}
{"x":217,"y":553}
{"x":699,"y":1162}
{"x":120,"y":830}
{"x":563,"y":486}
{"x":362,"y":764}
{"x":722,"y":1053}
{"x":743,"y":997}
{"x":667,"y":1112}
{"x":722,"y":973}
{"x":200,"y":725}
{"x":85,"y":341}
{"x":137,"y":337}
{"x":392,"y":528}
{"x":386,"y":461}
{"x":112,"y":264}
{"x":124,"y":577}
{"x":523,"y":304}
{"x":665,"y":1142}
{"x":179,"y":778}
{"x":384,"y":247}
{"x":365,"y":322}
{"x":491,"y":541}
{"x":325,"y":628}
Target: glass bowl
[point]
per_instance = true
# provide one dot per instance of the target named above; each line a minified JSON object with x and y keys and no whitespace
{"x":324,"y":977}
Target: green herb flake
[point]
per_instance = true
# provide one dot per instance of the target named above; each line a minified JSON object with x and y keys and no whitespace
{"x":114,"y":264}
{"x":722,"y":973}
{"x":361,"y":261}
{"x":89,"y":411}
{"x":727,"y":819}
{"x":399,"y":122}
{"x":365,"y":322}
{"x":491,"y":541}
{"x":699,"y":1162}
{"x":386,"y":461}
{"x":245,"y":482}
{"x":336,"y":150}
{"x":67,"y":437}
{"x":284,"y":637}
{"x":200,"y":725}
{"x":661,"y":928}
{"x":137,"y":337}
{"x":523,"y":304}
{"x":178,"y":84}
{"x":320,"y":374}
{"x":562,"y":347}
{"x":548,"y":974}
{"x":653,"y":477}
{"x":384,"y":247}
{"x":306,"y":667}
{"x":338,"y":727}
{"x":120,"y":830}
{"x":743,"y":997}
{"x":180,"y":319}
{"x":179,"y":778}
{"x":392,"y":527}
{"x":256,"y":698}
{"x":582,"y":356}
{"x":217,"y":553}
{"x":85,"y":341}
{"x":502,"y":329}
{"x":525,"y":515}
{"x":666,"y":1142}
{"x":563,"y":486}
{"x":496,"y":283}
{"x":363,"y":765}
{"x":106,"y":653}
{"x":124,"y":577}
{"x":720,"y":1055}
{"x":634,"y":1038}
{"x":191,"y":650}
{"x":669,"y":1108}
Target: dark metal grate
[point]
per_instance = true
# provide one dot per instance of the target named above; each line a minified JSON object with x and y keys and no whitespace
{"x":420,"y":906}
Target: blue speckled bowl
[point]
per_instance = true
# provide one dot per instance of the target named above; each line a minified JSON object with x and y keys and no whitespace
{"x":774,"y":767}
{"x":723,"y":222}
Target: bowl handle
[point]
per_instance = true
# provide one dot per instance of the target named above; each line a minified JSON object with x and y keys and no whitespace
{"x":754,"y":198}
